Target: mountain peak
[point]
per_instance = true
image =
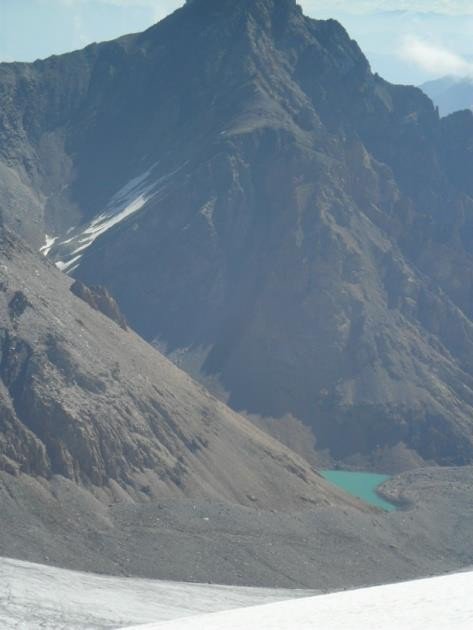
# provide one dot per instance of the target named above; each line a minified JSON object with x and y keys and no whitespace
{"x":248,"y":6}
{"x":242,"y":183}
{"x":243,"y":3}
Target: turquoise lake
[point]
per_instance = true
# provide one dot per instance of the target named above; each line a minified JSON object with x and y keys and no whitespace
{"x":361,"y":485}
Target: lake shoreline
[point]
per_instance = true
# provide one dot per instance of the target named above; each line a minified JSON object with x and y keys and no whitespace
{"x":363,"y":485}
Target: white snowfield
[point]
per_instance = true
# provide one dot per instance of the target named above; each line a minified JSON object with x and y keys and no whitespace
{"x":34,"y":597}
{"x":50,"y":240}
{"x":128,"y":201}
{"x":443,"y":603}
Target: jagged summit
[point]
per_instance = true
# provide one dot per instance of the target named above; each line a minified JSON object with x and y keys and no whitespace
{"x":245,"y":5}
{"x":267,"y":13}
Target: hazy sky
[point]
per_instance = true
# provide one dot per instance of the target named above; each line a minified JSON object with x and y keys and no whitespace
{"x":405,"y":40}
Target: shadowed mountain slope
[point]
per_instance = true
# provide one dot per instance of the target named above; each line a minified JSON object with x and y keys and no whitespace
{"x":84,"y":399}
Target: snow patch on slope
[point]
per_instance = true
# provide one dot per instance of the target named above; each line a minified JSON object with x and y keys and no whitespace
{"x":126,"y":202}
{"x":441,"y":603}
{"x":49,"y":242}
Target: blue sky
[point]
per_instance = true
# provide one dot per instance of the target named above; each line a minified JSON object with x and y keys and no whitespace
{"x":406,"y":41}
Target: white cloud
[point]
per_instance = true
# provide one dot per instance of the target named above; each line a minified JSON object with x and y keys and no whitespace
{"x":435,"y":59}
{"x":445,"y":7}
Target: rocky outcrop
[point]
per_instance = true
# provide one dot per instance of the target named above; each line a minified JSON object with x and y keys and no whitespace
{"x":100,"y":300}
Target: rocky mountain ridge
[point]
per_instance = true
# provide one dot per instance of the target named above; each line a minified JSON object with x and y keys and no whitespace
{"x":285,"y":224}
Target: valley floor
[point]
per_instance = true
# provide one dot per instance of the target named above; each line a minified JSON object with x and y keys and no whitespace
{"x":324,"y":549}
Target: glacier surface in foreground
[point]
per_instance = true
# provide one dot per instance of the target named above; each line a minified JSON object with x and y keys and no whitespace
{"x":442,"y":603}
{"x":34,"y":596}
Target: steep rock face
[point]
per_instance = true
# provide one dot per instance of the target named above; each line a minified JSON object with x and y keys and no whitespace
{"x":84,"y":399}
{"x":286,"y":225}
